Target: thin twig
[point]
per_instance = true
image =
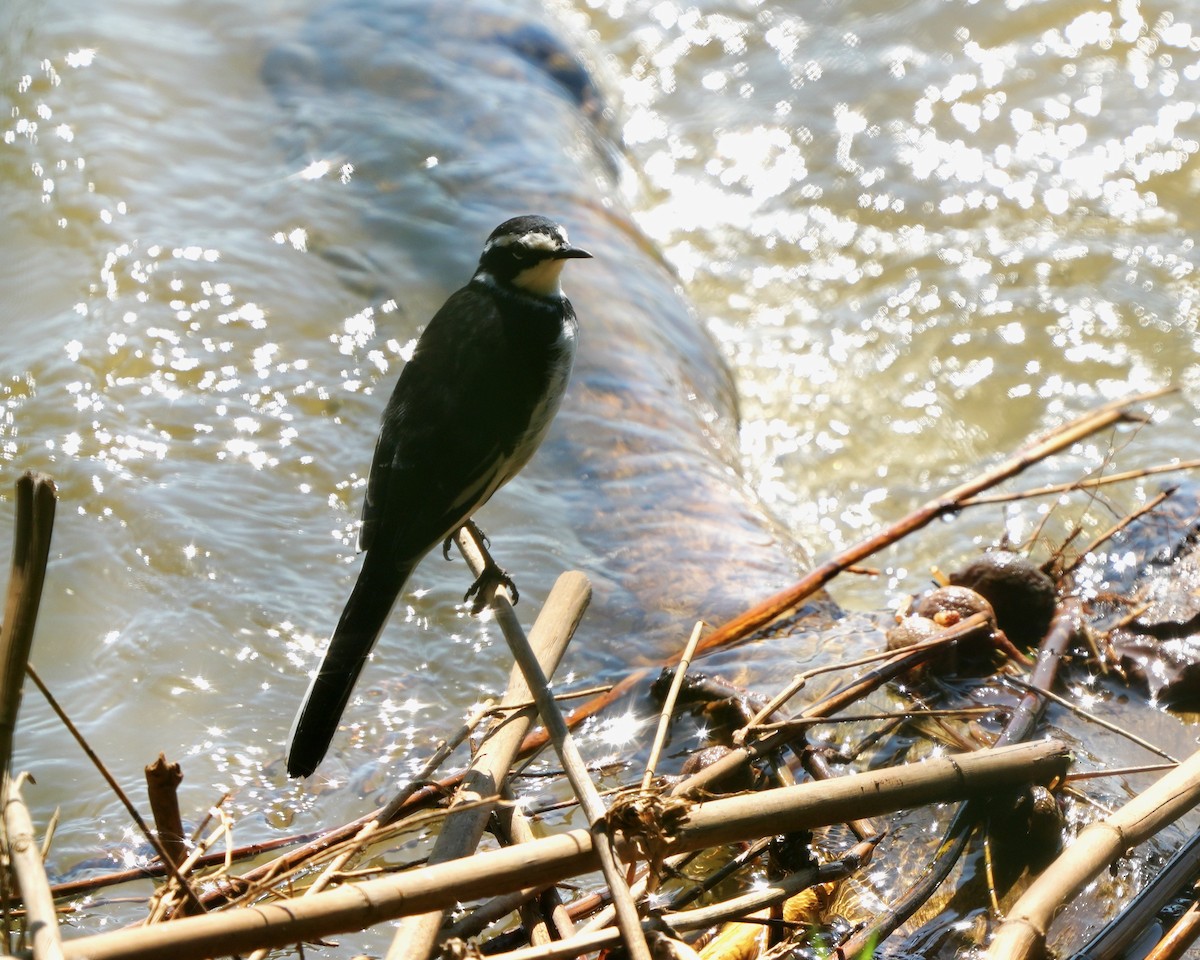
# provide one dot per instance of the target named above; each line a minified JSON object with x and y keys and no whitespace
{"x":1037,"y":450}
{"x":1087,"y":483}
{"x":1116,"y":528}
{"x":568,"y":751}
{"x":1092,"y":717}
{"x":668,"y":707}
{"x":153,"y":840}
{"x":1118,"y":772}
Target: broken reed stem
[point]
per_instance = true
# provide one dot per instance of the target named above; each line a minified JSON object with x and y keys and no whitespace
{"x":1022,"y":935}
{"x":483,"y":782}
{"x":1037,"y":450}
{"x":162,"y":786}
{"x":36,"y":498}
{"x":628,"y":921}
{"x":33,"y":524}
{"x":25,"y":858}
{"x":149,"y":834}
{"x":668,"y":707}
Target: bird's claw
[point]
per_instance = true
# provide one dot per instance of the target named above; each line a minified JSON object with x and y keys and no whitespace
{"x":491,"y":578}
{"x":474,"y":528}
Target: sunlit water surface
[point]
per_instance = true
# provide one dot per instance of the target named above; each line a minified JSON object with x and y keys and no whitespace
{"x":919,"y":232}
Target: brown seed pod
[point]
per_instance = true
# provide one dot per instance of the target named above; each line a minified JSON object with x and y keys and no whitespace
{"x":910,"y":631}
{"x":947,"y":606}
{"x":1023,"y":597}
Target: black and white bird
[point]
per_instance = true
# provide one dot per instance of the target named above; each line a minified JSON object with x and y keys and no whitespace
{"x":468,"y":411}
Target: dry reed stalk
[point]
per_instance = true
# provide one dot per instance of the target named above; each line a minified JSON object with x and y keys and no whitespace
{"x":1023,"y":933}
{"x":417,"y":935}
{"x":33,"y":525}
{"x":36,"y":497}
{"x":357,"y":906}
{"x":668,"y":707}
{"x":628,"y":922}
{"x":25,"y":858}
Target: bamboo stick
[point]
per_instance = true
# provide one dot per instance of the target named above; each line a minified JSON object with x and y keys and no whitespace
{"x":565,"y":746}
{"x":544,"y":915}
{"x":1023,"y":933}
{"x":357,"y":906}
{"x":417,"y":935}
{"x":41,"y":919}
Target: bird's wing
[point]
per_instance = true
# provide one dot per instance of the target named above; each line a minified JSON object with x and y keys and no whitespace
{"x":440,"y":449}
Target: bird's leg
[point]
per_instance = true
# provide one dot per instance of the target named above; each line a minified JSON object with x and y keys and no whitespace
{"x":491,"y":577}
{"x":476,"y":530}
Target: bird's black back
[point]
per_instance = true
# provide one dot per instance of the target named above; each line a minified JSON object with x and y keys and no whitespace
{"x":461,"y":419}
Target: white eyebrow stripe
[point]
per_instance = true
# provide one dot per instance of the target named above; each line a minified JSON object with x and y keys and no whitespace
{"x":533,"y":240}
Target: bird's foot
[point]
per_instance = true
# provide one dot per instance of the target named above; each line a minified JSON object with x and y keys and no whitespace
{"x":474,"y":528}
{"x":486,"y":583}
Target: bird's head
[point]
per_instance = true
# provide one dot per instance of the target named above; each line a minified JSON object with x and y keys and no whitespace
{"x":528,"y":253}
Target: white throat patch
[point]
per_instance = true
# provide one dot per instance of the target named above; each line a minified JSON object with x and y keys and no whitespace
{"x":542,"y":279}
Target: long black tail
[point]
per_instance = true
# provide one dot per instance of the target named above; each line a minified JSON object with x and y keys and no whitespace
{"x":378,"y":585}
